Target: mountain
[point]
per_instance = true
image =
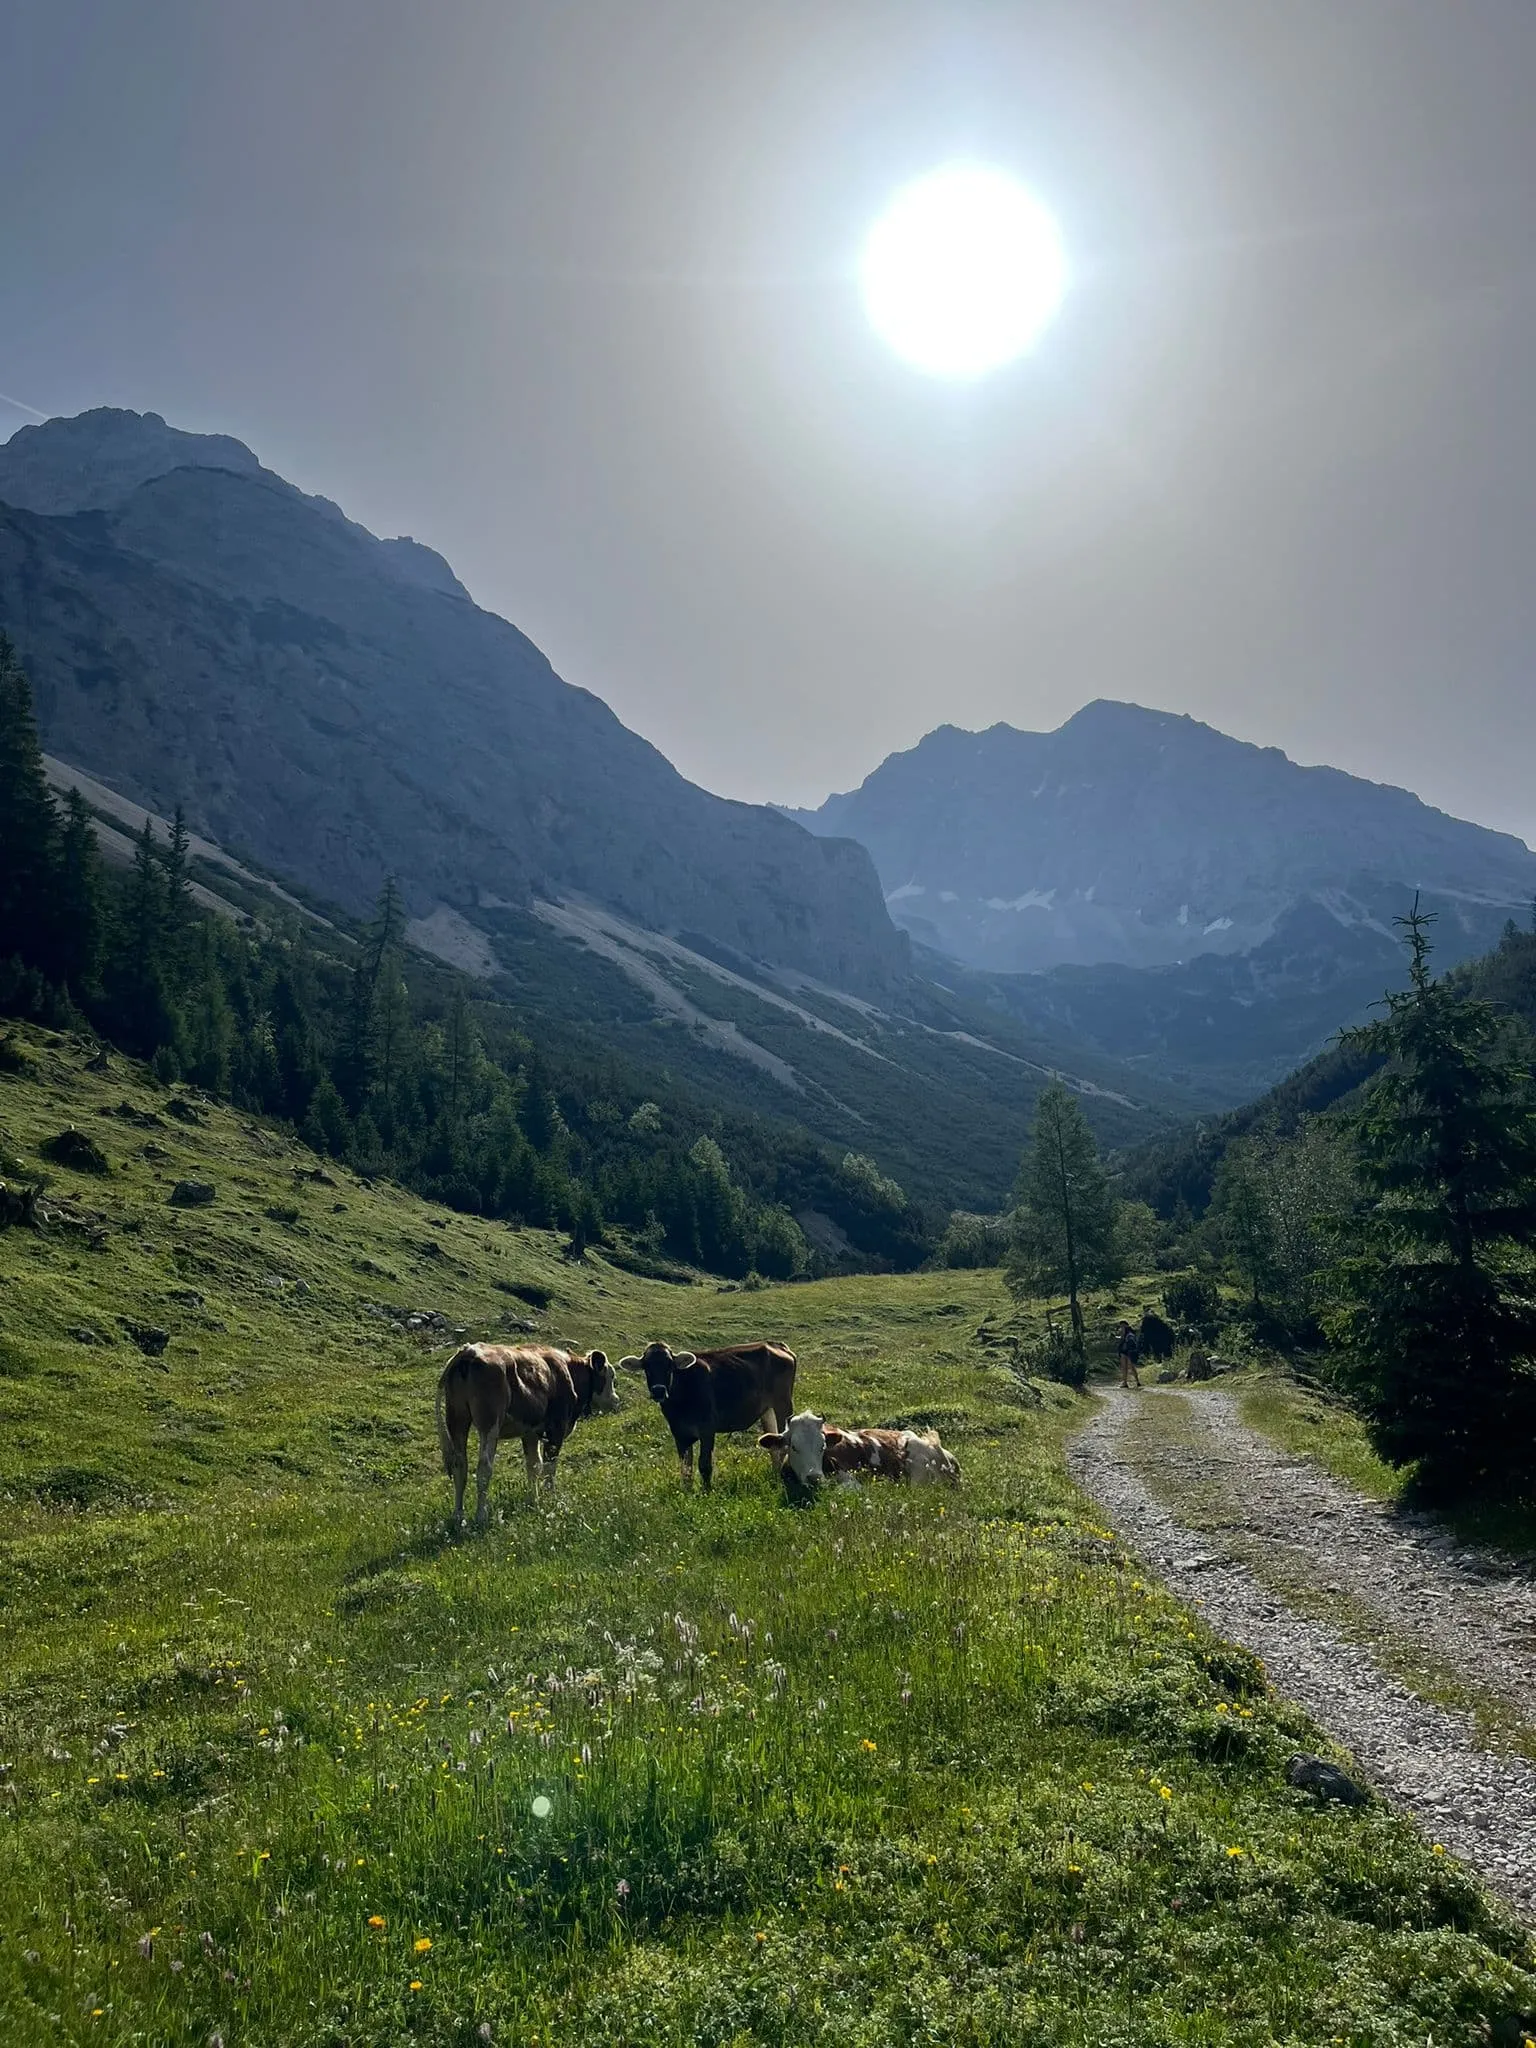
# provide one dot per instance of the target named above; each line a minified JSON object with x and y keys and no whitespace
{"x":1177,"y":1169}
{"x":334,"y":708}
{"x":1141,"y":839}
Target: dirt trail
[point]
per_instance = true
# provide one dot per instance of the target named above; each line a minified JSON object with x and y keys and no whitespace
{"x":1359,"y":1614}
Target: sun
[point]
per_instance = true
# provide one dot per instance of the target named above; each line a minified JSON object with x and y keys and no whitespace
{"x":963,"y":271}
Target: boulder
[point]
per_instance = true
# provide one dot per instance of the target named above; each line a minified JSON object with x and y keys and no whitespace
{"x":1314,"y":1774}
{"x":150,"y":1340}
{"x":76,"y":1150}
{"x":193,"y":1194}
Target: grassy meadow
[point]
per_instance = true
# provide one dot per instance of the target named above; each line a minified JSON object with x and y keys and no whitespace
{"x":282,"y":1764}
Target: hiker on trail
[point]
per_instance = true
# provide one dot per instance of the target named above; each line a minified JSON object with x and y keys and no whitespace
{"x":1130,"y":1352}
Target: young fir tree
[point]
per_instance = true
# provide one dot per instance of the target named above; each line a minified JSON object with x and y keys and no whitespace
{"x":1065,"y":1238}
{"x":1438,"y":1322}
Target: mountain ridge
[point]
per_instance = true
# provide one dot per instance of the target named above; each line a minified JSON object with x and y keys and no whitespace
{"x":197,"y":629}
{"x":1144,"y":838}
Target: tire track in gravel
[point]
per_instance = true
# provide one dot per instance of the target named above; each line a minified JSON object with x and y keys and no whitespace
{"x":1195,"y":1499}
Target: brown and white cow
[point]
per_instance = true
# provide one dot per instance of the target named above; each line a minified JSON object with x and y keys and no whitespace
{"x":811,"y":1452}
{"x":704,"y":1394}
{"x":531,"y":1391}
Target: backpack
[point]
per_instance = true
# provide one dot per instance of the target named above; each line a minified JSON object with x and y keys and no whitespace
{"x":1130,"y":1347}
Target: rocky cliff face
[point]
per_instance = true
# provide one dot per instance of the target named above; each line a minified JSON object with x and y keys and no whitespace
{"x":336,"y":707}
{"x":1141,"y":838}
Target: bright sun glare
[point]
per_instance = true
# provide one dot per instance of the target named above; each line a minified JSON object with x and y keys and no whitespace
{"x":963,"y":271}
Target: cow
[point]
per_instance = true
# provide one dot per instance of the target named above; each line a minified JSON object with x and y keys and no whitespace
{"x":534,"y":1392}
{"x":812,"y":1452}
{"x":703,"y":1394}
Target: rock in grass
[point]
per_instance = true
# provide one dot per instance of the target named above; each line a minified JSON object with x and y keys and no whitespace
{"x":76,"y":1150}
{"x":150,"y":1340}
{"x":1314,"y":1774}
{"x":184,"y":1112}
{"x":192,"y":1194}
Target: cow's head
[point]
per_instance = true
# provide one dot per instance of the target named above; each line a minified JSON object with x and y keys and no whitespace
{"x":602,"y":1394}
{"x":660,"y":1364}
{"x":802,"y":1447}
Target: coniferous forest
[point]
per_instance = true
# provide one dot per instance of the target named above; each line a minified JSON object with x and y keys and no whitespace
{"x":395,"y":1065}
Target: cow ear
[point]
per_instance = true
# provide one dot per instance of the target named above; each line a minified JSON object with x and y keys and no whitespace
{"x":629,"y":1365}
{"x":597,"y":1360}
{"x":774,"y":1441}
{"x":834,"y":1436}
{"x":680,"y":1359}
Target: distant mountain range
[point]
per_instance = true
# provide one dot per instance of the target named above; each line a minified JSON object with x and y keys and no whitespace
{"x":334,"y":707}
{"x":1141,"y":839}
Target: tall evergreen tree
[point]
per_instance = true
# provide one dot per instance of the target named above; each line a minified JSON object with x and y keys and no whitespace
{"x":1438,"y":1327}
{"x":29,"y":825}
{"x":1065,"y":1239}
{"x":80,"y":912}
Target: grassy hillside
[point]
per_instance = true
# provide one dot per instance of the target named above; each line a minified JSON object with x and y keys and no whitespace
{"x":284,"y":1765}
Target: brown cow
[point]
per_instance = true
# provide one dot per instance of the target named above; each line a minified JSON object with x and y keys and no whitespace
{"x":534,"y":1392}
{"x":812,"y":1450}
{"x":702,"y":1393}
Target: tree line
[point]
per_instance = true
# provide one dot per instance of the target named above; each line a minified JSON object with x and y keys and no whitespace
{"x":393,"y":1065}
{"x":1393,"y":1236}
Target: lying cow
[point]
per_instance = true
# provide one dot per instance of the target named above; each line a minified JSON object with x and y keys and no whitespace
{"x":534,"y":1392}
{"x":812,"y":1452}
{"x":706,"y":1393}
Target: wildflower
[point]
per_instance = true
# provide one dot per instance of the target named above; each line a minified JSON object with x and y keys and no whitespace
{"x":759,"y":1937}
{"x":622,"y":1888}
{"x":868,"y":1746}
{"x":424,"y":1941}
{"x":415,"y":1983}
{"x":484,"y":2030}
{"x":1234,"y":1852}
{"x":375,"y":1919}
{"x":1439,"y":1848}
{"x":1087,"y":1784}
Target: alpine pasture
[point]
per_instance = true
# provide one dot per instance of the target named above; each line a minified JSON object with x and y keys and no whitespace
{"x":286,"y":1764}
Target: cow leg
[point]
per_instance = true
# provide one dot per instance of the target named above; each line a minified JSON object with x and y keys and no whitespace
{"x":685,"y":1464}
{"x":706,"y":1461}
{"x":551,"y":1460}
{"x":531,"y":1465}
{"x":483,"y":1470}
{"x":771,"y":1423}
{"x":457,"y":1460}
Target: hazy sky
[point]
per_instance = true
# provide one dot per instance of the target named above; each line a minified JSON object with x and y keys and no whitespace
{"x":567,"y":291}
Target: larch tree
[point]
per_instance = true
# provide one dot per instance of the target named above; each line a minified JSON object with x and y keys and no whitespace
{"x":1065,"y":1239}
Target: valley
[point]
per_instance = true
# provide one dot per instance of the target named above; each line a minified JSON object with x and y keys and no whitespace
{"x":283,"y":1762}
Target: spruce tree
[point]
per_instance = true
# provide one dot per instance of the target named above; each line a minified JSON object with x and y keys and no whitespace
{"x":1438,"y":1323}
{"x":29,"y":827}
{"x":1065,"y":1237}
{"x":81,"y":934}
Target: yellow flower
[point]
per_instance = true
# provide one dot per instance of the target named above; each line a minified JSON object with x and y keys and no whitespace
{"x":759,"y":1937}
{"x":1087,"y":1785}
{"x":870,"y":1746}
{"x":1234,"y":1852}
{"x":375,"y":1919}
{"x":415,"y":1983}
{"x":1163,"y":1792}
{"x":1439,"y":1848}
{"x":423,"y":1943}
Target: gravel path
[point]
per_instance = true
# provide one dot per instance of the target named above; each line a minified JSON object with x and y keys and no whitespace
{"x":1157,"y":1472}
